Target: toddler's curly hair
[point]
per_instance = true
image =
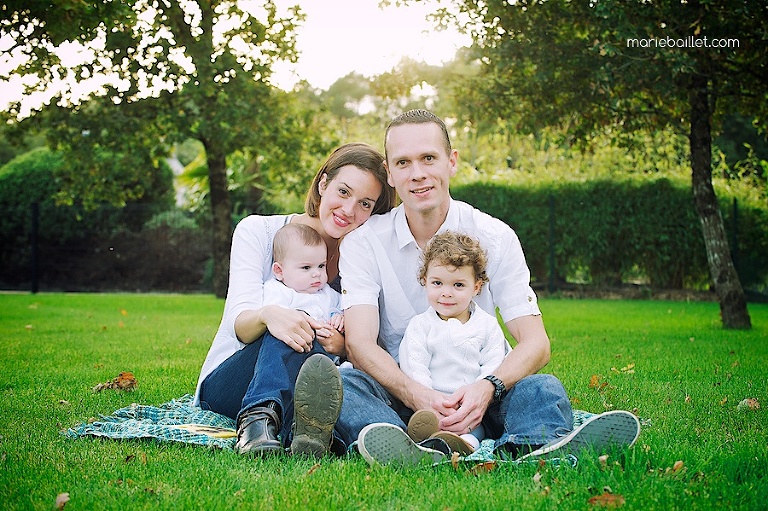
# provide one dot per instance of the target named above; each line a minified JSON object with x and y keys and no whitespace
{"x":455,"y":249}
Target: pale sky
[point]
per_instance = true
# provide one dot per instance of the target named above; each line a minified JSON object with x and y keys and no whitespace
{"x":337,"y":38}
{"x":341,"y":36}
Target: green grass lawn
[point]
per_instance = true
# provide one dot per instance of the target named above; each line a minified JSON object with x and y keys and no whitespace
{"x":670,"y":362}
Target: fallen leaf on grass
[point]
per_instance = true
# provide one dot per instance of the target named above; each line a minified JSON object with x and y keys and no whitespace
{"x":748,"y":404}
{"x":483,"y":468}
{"x":627,"y":369}
{"x":607,"y":500}
{"x":595,"y":383}
{"x":61,"y":500}
{"x":455,"y":460}
{"x":678,"y":466}
{"x":124,"y":381}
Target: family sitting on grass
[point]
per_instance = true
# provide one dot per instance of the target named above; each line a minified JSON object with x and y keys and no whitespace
{"x":416,"y":366}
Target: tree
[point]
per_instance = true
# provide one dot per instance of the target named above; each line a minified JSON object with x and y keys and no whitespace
{"x":617,"y":67}
{"x":174,"y":69}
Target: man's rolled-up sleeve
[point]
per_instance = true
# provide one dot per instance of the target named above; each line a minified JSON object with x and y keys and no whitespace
{"x":360,"y":277}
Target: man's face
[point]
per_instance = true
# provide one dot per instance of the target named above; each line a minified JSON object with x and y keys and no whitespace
{"x":419,"y":167}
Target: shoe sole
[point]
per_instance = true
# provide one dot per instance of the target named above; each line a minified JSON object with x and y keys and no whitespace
{"x":422,"y":425}
{"x":261,"y":451}
{"x":385,"y":444}
{"x":317,"y":404}
{"x":455,"y":442}
{"x":617,"y":428}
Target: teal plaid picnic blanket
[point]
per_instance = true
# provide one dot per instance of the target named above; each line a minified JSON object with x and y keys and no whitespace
{"x":179,"y":421}
{"x":176,"y":421}
{"x":486,"y":451}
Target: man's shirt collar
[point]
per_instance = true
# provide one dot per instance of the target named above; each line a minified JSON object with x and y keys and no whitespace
{"x":404,"y":234}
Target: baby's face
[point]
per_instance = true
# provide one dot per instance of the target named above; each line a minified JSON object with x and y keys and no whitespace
{"x":304,"y":268}
{"x":451,"y":289}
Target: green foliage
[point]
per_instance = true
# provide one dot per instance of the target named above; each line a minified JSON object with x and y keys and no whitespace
{"x":616,"y":231}
{"x":35,"y":177}
{"x":273,"y":175}
{"x":26,"y":180}
{"x":168,"y":253}
{"x":687,"y":379}
{"x":571,"y":64}
{"x":180,"y":69}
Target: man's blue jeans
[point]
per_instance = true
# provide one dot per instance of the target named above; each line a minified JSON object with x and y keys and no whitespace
{"x":534,"y":412}
{"x":262,"y":371}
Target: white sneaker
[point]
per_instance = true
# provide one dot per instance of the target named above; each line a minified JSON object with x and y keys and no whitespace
{"x":616,"y":428}
{"x":386,"y":443}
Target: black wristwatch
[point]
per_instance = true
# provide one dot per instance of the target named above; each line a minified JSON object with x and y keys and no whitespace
{"x":500,"y":389}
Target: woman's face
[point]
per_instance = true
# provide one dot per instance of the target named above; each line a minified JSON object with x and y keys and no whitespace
{"x":347,"y":201}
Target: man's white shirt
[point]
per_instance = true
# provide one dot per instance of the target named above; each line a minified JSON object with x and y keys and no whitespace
{"x":380,"y":260}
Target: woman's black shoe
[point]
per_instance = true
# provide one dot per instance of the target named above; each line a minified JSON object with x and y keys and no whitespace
{"x":257,"y":430}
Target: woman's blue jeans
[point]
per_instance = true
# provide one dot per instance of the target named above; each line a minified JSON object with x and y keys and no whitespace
{"x":262,"y":371}
{"x":534,"y":412}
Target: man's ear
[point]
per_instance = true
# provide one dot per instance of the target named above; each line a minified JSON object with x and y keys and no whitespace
{"x":278,"y":271}
{"x":389,"y":175}
{"x":454,"y":159}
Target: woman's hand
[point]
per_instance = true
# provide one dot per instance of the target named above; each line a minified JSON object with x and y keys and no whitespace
{"x":331,"y":340}
{"x":293,"y":327}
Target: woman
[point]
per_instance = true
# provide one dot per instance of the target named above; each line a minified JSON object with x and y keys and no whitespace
{"x":349,"y":187}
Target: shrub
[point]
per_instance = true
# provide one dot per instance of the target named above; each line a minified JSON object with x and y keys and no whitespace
{"x":25,"y":180}
{"x":609,"y":232}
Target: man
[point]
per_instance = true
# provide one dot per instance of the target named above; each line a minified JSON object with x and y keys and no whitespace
{"x":524,"y":410}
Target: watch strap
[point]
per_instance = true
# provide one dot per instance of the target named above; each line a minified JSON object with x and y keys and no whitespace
{"x":499,"y":387}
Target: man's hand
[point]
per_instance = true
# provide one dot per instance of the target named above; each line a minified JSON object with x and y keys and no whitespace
{"x":467,"y":407}
{"x":424,"y":398}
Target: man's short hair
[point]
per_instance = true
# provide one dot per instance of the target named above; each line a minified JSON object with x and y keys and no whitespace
{"x":419,"y":116}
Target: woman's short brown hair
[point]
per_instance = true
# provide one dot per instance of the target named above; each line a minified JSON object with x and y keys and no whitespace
{"x":365,"y":158}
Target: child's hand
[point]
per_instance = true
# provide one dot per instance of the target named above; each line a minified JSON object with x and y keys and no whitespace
{"x":337,"y":322}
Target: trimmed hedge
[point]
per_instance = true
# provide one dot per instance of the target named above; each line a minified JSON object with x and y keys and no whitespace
{"x":75,"y":244}
{"x":604,"y":232}
{"x":612,"y":232}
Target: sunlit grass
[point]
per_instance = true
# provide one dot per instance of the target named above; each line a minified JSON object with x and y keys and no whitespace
{"x":668,"y":361}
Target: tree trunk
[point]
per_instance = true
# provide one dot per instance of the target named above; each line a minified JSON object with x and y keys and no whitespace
{"x":733,"y":301}
{"x":221,"y":209}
